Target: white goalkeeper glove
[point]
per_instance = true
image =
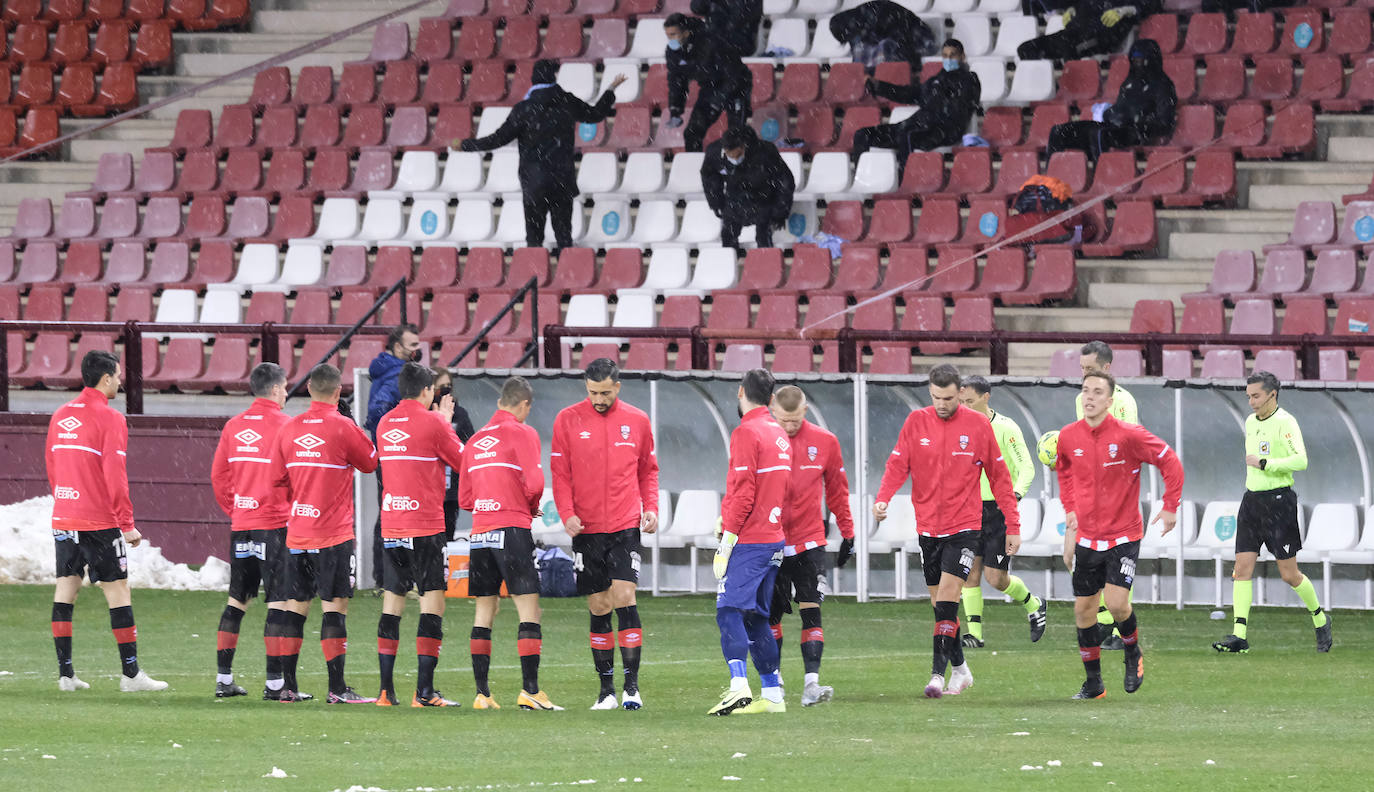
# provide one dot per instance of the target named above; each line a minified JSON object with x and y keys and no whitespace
{"x":723,"y":551}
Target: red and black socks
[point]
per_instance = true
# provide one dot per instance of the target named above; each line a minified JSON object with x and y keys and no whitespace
{"x":479,"y":645}
{"x":271,"y":639}
{"x":946,"y":637}
{"x":1130,"y":635}
{"x":388,"y":638}
{"x":1090,"y":650}
{"x":62,"y":637}
{"x":334,"y":644}
{"x":289,"y":646}
{"x":812,"y":640}
{"x":631,"y":641}
{"x":529,"y":642}
{"x":603,"y":652}
{"x":776,"y":629}
{"x":429,"y":639}
{"x":126,"y":636}
{"x":227,"y":641}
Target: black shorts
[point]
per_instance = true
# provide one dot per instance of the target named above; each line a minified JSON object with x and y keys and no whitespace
{"x":328,"y":573}
{"x":952,"y":554}
{"x":502,"y":554}
{"x":258,"y":557}
{"x":799,"y":580}
{"x":600,"y":558}
{"x":1093,"y":569}
{"x":100,"y":553}
{"x":992,"y":539}
{"x":417,"y":561}
{"x":1269,"y":518}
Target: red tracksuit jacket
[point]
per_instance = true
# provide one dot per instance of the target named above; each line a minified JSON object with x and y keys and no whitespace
{"x":1099,"y":479}
{"x":946,"y":460}
{"x":88,"y":465}
{"x":816,"y":463}
{"x":241,"y":474}
{"x":502,"y":480}
{"x":604,"y":468}
{"x":414,"y":445}
{"x":756,"y":485}
{"x":314,"y":459}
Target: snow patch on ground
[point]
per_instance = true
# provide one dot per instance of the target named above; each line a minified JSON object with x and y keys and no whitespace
{"x":26,"y":554}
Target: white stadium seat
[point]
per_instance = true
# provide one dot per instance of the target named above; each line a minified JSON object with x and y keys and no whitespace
{"x":418,"y":172}
{"x":428,"y":221}
{"x":790,"y":33}
{"x":383,"y":221}
{"x":304,"y":264}
{"x":815,"y":8}
{"x":579,"y":223}
{"x":491,"y":120}
{"x":610,"y":221}
{"x":668,"y":269}
{"x":579,"y":79}
{"x":802,"y":222}
{"x":992,"y":74}
{"x":876,"y":172}
{"x":643,"y":173}
{"x":829,"y":174}
{"x":694,"y":523}
{"x":462,"y":174}
{"x":655,"y":222}
{"x":258,"y":264}
{"x":650,"y":41}
{"x":1033,"y":81}
{"x":221,"y":306}
{"x":338,"y":221}
{"x":954,"y":6}
{"x":634,"y":308}
{"x":975,"y":32}
{"x":684,"y":176}
{"x":510,"y":225}
{"x":472,"y":220}
{"x":1012,"y":32}
{"x":716,"y":268}
{"x":503,"y":173}
{"x":598,"y":172}
{"x":628,"y":91}
{"x":699,"y":224}
{"x":824,"y":45}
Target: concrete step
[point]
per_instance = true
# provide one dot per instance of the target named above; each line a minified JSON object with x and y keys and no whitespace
{"x":1049,"y":320}
{"x":1287,"y":196}
{"x":1350,"y":149}
{"x":1123,"y":296}
{"x":1206,"y":245}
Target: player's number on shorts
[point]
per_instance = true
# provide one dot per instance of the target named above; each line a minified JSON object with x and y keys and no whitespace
{"x":578,"y":565}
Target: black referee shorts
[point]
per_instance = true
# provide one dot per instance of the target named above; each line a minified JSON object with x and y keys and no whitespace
{"x":1269,"y":518}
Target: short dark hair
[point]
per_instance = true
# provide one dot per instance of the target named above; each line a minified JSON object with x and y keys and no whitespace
{"x":1098,"y":349}
{"x":96,"y":364}
{"x":954,"y":44}
{"x":394,"y":337}
{"x":1267,"y":380}
{"x":324,"y":379}
{"x":735,"y":138}
{"x":603,"y":369}
{"x":979,"y":384}
{"x":1102,"y":375}
{"x":676,"y":20}
{"x":412,"y":380}
{"x":944,"y":375}
{"x":514,"y":391}
{"x":758,"y":386}
{"x":264,"y":376}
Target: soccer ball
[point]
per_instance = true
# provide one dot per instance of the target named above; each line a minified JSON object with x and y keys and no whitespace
{"x":1048,"y":447}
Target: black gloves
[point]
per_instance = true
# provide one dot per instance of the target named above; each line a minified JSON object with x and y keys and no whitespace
{"x":846,"y":551}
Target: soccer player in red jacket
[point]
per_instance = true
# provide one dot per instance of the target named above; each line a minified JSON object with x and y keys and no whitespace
{"x":946,"y":449}
{"x":1099,"y":461}
{"x":241,"y":476}
{"x":414,"y":445}
{"x":501,"y":484}
{"x":314,"y":458}
{"x":750,"y":550}
{"x":817,"y":466}
{"x":92,"y":517}
{"x":605,"y":483}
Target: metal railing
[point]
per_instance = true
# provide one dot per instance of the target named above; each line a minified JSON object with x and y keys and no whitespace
{"x":530,"y":288}
{"x":398,"y":286}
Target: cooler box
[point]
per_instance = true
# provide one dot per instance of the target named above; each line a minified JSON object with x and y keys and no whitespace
{"x":458,"y":556}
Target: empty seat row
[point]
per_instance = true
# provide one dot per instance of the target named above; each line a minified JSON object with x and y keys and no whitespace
{"x":1285,"y":276}
{"x":76,"y":93}
{"x":1315,"y":229}
{"x":1302,"y":315}
{"x":1302,"y":32}
{"x":73,"y":43}
{"x":1274,"y":79}
{"x":185,"y":14}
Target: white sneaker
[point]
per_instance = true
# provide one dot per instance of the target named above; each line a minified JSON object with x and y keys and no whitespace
{"x":631,"y":701}
{"x":960,"y":679}
{"x":936,"y":687}
{"x":815,"y":694}
{"x":71,"y":683}
{"x":141,"y":682}
{"x":606,"y":702}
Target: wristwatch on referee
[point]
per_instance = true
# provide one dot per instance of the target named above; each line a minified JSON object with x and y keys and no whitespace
{"x":1263,"y":462}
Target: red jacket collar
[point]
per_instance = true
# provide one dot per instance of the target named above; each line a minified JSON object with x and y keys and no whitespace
{"x":757,"y":414}
{"x":322,"y":407}
{"x":91,"y":395}
{"x":264,"y":405}
{"x":503,"y":416}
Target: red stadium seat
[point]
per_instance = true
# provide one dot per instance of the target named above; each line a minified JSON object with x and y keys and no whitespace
{"x":1079,"y":82}
{"x":844,"y":84}
{"x":970,"y":174}
{"x":563,"y":38}
{"x":72,"y":44}
{"x":1016,"y":167}
{"x":1223,"y":363}
{"x":956,"y":270}
{"x":111,"y":43}
{"x":35,"y":86}
{"x":1303,"y":315}
{"x":1223,"y":79}
{"x":844,"y":219}
{"x":434,"y":40}
{"x":1352,"y":233}
{"x":484,"y":268}
{"x":1163,"y":30}
{"x":28,"y":43}
{"x":1303,"y":31}
{"x":487,"y":83}
{"x":1182,"y":69}
{"x":1196,"y":126}
{"x":1152,"y":316}
{"x":986,"y":219}
{"x":1294,"y":131}
{"x":193,"y":130}
{"x":215,"y":264}
{"x":1233,"y":273}
{"x":609,"y":38}
{"x":400,"y":83}
{"x":1285,"y":270}
{"x":1002,"y":126}
{"x":1004,"y":274}
{"x":576,"y":270}
{"x":1133,"y":230}
{"x":1044,"y":118}
{"x":476,"y":39}
{"x":1350,"y":32}
{"x":800,"y":83}
{"x":1213,"y":180}
{"x":314,"y":85}
{"x":1273,"y":80}
{"x":855,"y":118}
{"x":649,"y":355}
{"x":1114,"y":175}
{"x":448,"y":316}
{"x":390,"y":42}
{"x":1206,"y":35}
{"x":153,"y":47}
{"x":1334,"y":273}
{"x":528,"y":263}
{"x":891,"y":221}
{"x":761,"y":270}
{"x":623,"y":268}
{"x":172,"y":264}
{"x":520,"y":41}
{"x":1166,"y":174}
{"x":1254,"y":33}
{"x":860,"y":270}
{"x":938,"y":221}
{"x":923,"y":174}
{"x":438,"y":269}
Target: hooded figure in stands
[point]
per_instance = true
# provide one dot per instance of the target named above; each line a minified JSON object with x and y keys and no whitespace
{"x":1091,"y":27}
{"x":735,"y":23}
{"x":946,"y":104}
{"x":725,"y":84}
{"x":747,"y":183}
{"x":880,"y":31}
{"x":1144,"y":112}
{"x":543,"y":124}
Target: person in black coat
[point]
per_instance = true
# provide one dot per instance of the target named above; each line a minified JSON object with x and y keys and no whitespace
{"x":1091,"y":27}
{"x":724,"y":82}
{"x":1144,"y":111}
{"x":735,"y":23}
{"x":946,"y":102}
{"x":747,"y":183}
{"x":543,"y":123}
{"x":462,"y":426}
{"x":881,"y":30}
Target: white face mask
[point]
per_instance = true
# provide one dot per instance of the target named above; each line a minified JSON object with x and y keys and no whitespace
{"x":733,"y":160}
{"x":674,"y":44}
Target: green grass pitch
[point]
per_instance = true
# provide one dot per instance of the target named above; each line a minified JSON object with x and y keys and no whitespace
{"x":1282,"y":717}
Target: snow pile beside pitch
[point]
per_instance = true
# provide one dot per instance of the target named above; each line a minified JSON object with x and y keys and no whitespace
{"x":26,"y":554}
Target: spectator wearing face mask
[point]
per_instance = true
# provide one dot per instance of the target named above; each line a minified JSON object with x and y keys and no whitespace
{"x":747,"y":183}
{"x":1144,"y":111}
{"x":725,"y":85}
{"x":1091,"y":27}
{"x":402,"y":346}
{"x":946,"y":104}
{"x":881,"y":30}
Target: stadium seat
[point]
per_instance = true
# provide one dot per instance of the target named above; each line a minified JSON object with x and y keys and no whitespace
{"x":1282,"y":363}
{"x":1033,"y":81}
{"x":1333,"y":365}
{"x":1254,"y":33}
{"x":937,"y":222}
{"x":1253,"y":317}
{"x":127,"y":261}
{"x":970,"y":174}
{"x":1233,"y":273}
{"x":1223,"y":364}
{"x":956,"y":270}
{"x":1206,"y":34}
{"x":1314,"y":223}
{"x":844,"y":219}
{"x":1133,"y":230}
{"x":923,"y":174}
{"x":1285,"y":270}
{"x":1333,"y":273}
{"x":829,"y":175}
{"x":715,"y":269}
{"x":875,"y":173}
{"x":1357,"y":228}
{"x":34,"y":218}
{"x":1350,"y":32}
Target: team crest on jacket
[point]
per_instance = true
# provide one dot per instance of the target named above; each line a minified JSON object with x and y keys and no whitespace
{"x":624,"y":432}
{"x":963,"y":442}
{"x":1111,"y":450}
{"x":811,"y":453}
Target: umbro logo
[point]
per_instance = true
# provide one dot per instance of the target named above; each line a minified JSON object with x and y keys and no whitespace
{"x":69,"y":424}
{"x":486,"y":443}
{"x":584,"y":435}
{"x":925,"y":441}
{"x":783,"y":445}
{"x":248,"y":437}
{"x":395,"y":436}
{"x":309,"y":441}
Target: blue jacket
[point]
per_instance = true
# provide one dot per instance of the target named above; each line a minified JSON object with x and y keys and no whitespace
{"x":385,"y":393}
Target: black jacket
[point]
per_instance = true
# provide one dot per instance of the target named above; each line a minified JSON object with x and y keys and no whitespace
{"x":714,"y":65}
{"x":734,"y":22}
{"x":760,"y":186}
{"x":883,"y":19}
{"x":544,"y":126}
{"x":1147,"y":101}
{"x":462,"y":425}
{"x":1087,"y":18}
{"x":946,"y":102}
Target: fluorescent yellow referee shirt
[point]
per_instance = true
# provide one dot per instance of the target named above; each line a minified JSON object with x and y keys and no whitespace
{"x":1014,"y":452}
{"x":1278,"y":441}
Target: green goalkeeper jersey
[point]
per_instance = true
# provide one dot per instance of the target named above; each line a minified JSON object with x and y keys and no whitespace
{"x":1278,"y":441}
{"x":1014,"y":452}
{"x":1123,"y":406}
